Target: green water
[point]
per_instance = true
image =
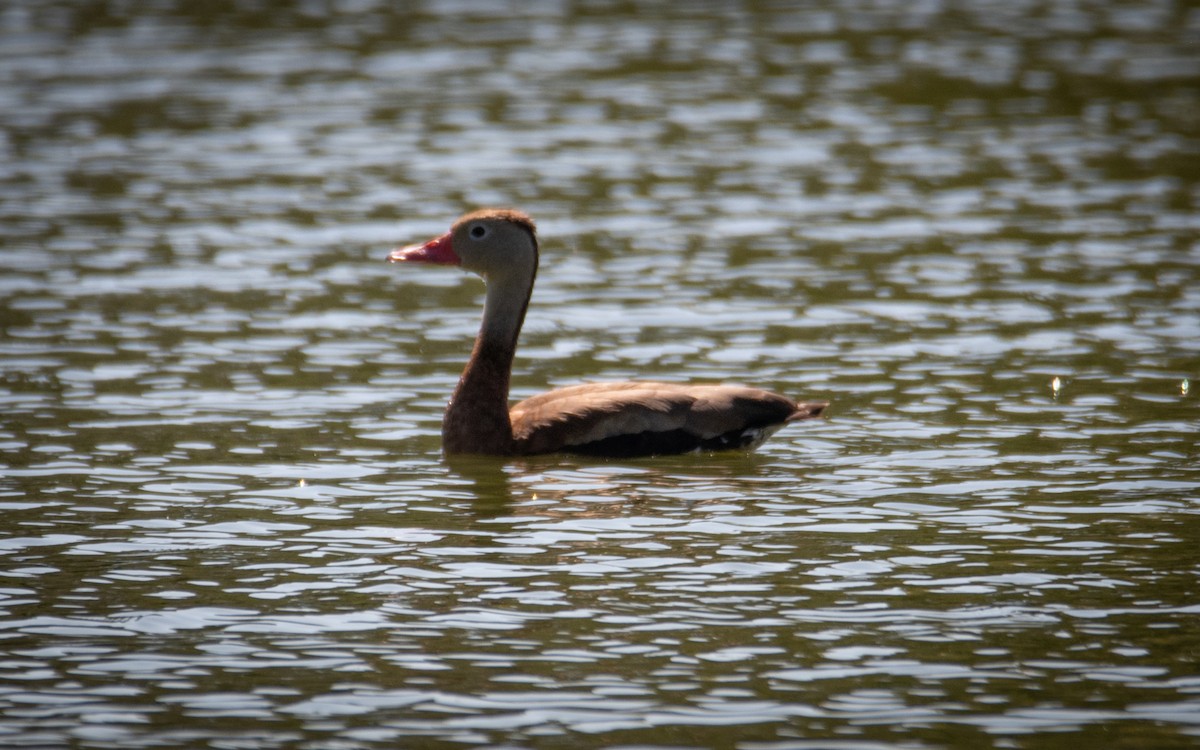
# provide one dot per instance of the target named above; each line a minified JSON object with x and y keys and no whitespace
{"x":224,"y":517}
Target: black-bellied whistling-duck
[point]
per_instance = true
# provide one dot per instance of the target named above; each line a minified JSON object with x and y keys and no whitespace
{"x":606,"y":419}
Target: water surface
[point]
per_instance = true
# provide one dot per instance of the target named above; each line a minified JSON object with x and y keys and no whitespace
{"x":226,"y":519}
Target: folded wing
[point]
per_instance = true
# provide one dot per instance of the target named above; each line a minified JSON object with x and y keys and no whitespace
{"x":647,"y":418}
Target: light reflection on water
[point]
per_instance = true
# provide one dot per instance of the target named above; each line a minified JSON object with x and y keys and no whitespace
{"x":222,"y":491}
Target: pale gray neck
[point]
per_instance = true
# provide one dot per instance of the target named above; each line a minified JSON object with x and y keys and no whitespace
{"x":504,"y":309}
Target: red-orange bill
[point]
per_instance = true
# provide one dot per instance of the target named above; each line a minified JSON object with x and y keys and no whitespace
{"x":438,"y":250}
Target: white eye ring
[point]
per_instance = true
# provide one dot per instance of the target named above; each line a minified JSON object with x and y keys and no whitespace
{"x":478,"y":232}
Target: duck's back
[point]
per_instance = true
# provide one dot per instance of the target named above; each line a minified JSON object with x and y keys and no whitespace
{"x":638,"y":418}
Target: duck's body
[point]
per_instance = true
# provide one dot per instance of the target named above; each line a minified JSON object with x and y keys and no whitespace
{"x":644,"y":418}
{"x":608,"y":419}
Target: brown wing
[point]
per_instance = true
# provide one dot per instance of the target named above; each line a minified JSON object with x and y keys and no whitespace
{"x":640,"y":418}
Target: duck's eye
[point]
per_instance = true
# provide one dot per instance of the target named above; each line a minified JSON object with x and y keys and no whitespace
{"x":478,"y":232}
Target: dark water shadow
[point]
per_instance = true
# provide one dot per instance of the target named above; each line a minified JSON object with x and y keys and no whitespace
{"x":489,"y":483}
{"x":558,"y":484}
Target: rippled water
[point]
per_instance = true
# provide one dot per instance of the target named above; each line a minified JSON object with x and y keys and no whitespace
{"x":972,"y":226}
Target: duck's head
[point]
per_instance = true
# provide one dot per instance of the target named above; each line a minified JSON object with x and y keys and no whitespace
{"x":492,"y":242}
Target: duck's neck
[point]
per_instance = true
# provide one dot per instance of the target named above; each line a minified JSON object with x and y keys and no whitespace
{"x":476,"y":419}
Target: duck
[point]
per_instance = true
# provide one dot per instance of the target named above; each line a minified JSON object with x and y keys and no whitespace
{"x":603,"y":419}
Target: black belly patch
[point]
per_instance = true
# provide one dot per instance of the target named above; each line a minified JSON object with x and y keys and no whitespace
{"x":669,"y":442}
